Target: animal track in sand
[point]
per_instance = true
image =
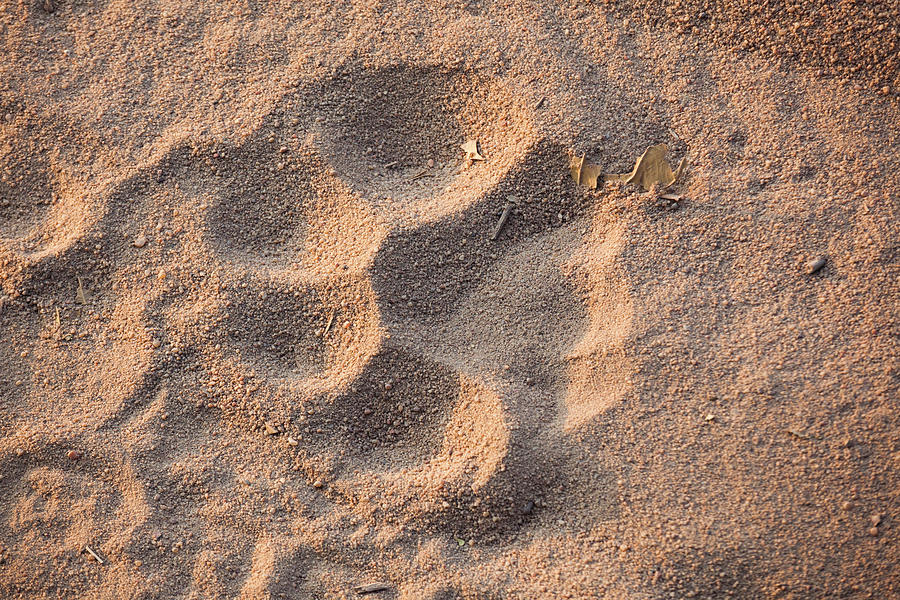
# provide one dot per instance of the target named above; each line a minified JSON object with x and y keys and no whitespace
{"x":267,"y":227}
{"x":258,"y":215}
{"x":422,"y":285}
{"x":393,"y":414}
{"x":46,"y":499}
{"x":393,"y":134}
{"x":279,"y":330}
{"x":38,"y":212}
{"x":25,"y":193}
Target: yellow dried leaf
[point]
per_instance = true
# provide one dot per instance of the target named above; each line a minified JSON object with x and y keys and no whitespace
{"x":471,"y":150}
{"x":649,"y":169}
{"x":585,"y":173}
{"x":681,"y":167}
{"x":652,"y":167}
{"x":80,"y":298}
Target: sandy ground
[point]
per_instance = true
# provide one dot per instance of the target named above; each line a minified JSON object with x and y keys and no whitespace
{"x":256,"y":340}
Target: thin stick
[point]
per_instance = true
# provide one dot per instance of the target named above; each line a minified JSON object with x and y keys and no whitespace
{"x":503,"y":218}
{"x":328,"y":327}
{"x":420,"y":175}
{"x":362,"y":590}
{"x":95,"y":555}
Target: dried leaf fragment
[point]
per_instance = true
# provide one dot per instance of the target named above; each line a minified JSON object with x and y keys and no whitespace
{"x":471,"y":150}
{"x":585,"y":173}
{"x":650,"y":168}
{"x":80,"y":297}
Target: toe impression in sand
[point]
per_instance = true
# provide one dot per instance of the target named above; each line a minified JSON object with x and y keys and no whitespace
{"x":651,"y":168}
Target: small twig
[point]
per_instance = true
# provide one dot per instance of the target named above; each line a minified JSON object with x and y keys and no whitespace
{"x":503,"y":218}
{"x":328,"y":327}
{"x":420,"y":175}
{"x":95,"y":555}
{"x":372,"y":588}
{"x":391,"y":164}
{"x":540,"y":102}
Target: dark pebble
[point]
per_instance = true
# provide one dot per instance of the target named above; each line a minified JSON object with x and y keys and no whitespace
{"x":528,"y":508}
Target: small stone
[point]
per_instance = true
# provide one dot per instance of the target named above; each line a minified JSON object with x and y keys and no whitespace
{"x":885,"y":91}
{"x":367,"y":411}
{"x":318,"y":484}
{"x":528,"y":508}
{"x":73,"y":454}
{"x":270,"y":428}
{"x":846,"y":505}
{"x":138,"y":563}
{"x":291,"y":441}
{"x":388,"y":386}
{"x":140,"y":241}
{"x":430,"y":163}
{"x":19,"y":451}
{"x":873,"y":531}
{"x":155,"y":343}
{"x":815,"y":265}
{"x":875,"y":519}
{"x":8,"y":117}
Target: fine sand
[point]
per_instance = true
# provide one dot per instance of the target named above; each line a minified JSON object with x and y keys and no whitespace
{"x":257,"y":341}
